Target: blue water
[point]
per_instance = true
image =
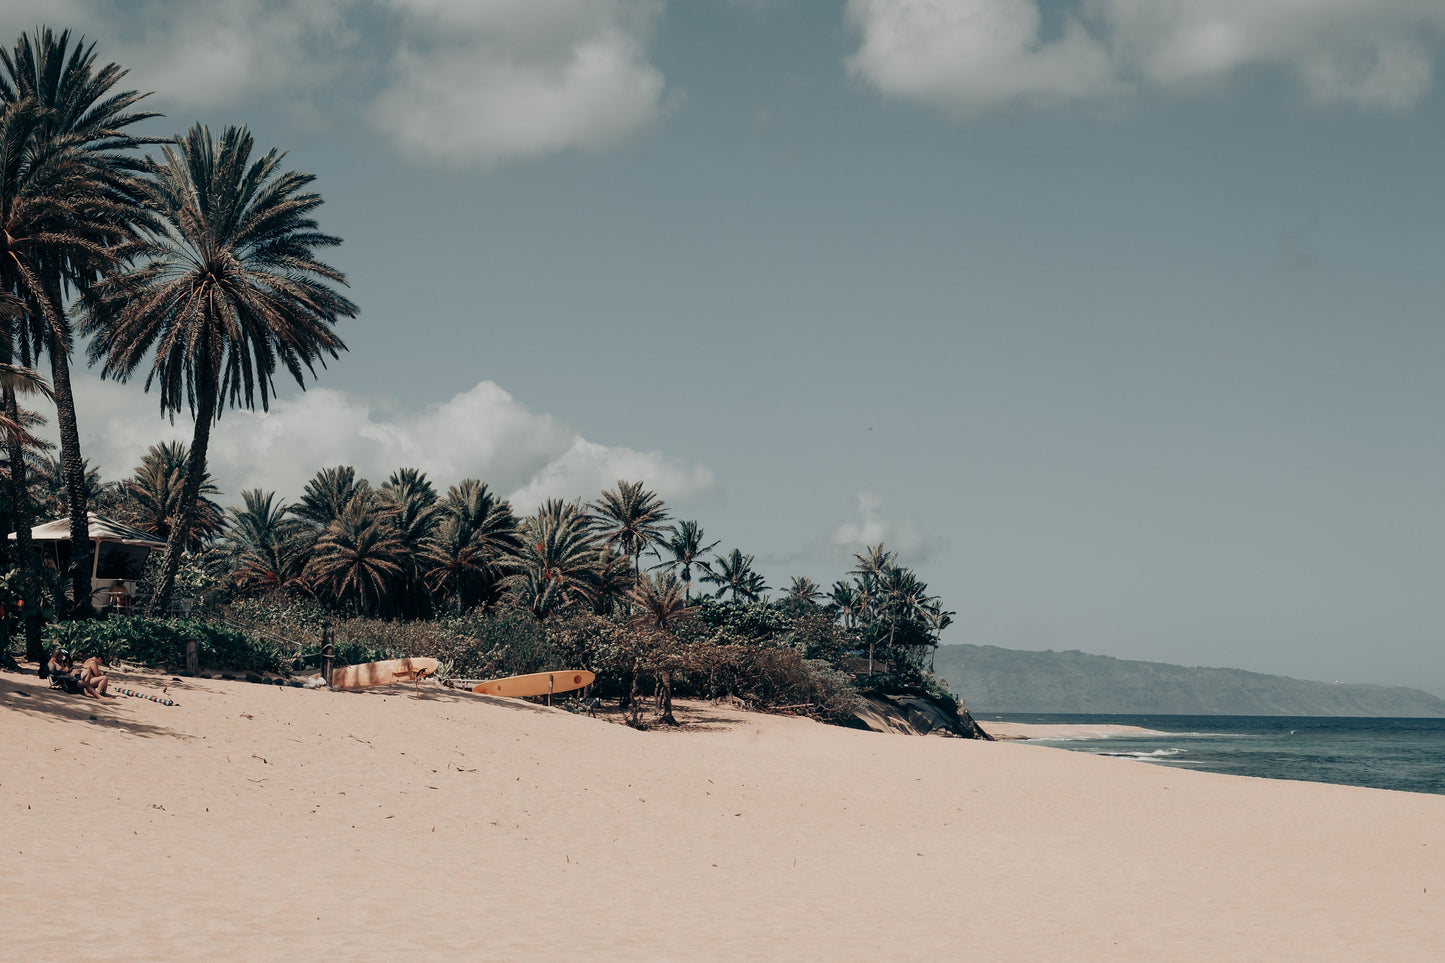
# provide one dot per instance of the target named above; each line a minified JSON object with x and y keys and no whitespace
{"x":1403,"y":754}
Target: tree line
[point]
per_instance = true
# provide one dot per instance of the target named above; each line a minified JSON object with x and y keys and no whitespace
{"x":190,"y":262}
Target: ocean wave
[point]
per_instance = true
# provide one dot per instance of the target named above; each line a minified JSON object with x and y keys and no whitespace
{"x":1156,"y":754}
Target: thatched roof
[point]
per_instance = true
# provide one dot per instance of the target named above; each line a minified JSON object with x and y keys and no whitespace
{"x":102,"y":529}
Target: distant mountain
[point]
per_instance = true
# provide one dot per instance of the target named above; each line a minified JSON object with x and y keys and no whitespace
{"x":992,"y":679}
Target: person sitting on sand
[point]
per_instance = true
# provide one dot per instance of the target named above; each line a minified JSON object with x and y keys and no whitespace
{"x":93,"y":678}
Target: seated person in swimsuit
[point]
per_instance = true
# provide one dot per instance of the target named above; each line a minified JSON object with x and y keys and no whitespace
{"x":93,"y":678}
{"x":61,"y":672}
{"x":60,"y":663}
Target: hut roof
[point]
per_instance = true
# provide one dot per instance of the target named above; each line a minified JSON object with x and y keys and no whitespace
{"x":102,"y":529}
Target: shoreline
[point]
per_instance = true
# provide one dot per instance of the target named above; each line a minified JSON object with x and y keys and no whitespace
{"x":262,"y":821}
{"x":1026,"y":731}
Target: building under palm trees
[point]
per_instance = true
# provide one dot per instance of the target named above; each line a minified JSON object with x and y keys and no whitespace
{"x":118,"y":556}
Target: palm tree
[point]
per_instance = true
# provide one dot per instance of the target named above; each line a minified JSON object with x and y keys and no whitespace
{"x":843,"y":599}
{"x":20,"y":444}
{"x":555,"y":567}
{"x":69,"y":212}
{"x":630,"y":519}
{"x":15,"y":380}
{"x":327,"y":494}
{"x":734,"y":573}
{"x":802,"y":597}
{"x":938,"y":620}
{"x":685,"y":548}
{"x":151,"y":498}
{"x":263,"y":543}
{"x":47,"y":488}
{"x":660,"y":605}
{"x":409,"y":502}
{"x":467,"y":555}
{"x":359,"y":559}
{"x":229,"y":286}
{"x":613,"y":577}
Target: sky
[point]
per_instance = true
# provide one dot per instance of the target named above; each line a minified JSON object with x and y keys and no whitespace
{"x":1117,"y":320}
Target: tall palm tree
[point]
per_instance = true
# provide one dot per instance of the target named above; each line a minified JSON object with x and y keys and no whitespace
{"x":630,"y":519}
{"x":359,"y":559}
{"x":151,"y":498}
{"x":228,"y":286}
{"x":82,"y":172}
{"x":263,"y":542}
{"x":20,"y":445}
{"x":734,"y":573}
{"x":684,"y":548}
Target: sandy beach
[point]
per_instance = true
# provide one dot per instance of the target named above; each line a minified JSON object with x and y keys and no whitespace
{"x":257,"y":822}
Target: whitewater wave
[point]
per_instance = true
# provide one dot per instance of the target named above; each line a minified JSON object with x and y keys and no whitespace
{"x":1156,"y":754}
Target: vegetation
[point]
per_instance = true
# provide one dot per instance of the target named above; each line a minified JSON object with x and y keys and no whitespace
{"x":198,"y":266}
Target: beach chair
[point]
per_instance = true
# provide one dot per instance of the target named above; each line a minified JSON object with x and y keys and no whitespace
{"x":66,"y":683}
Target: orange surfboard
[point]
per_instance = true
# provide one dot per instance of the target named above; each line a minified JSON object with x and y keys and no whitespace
{"x":385,"y":672}
{"x":538,"y":683}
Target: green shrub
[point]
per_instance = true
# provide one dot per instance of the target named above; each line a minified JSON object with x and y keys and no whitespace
{"x":160,"y":642}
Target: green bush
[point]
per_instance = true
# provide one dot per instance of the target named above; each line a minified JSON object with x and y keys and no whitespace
{"x":160,"y":642}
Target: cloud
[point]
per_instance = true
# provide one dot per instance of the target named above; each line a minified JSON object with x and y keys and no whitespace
{"x":205,"y":53}
{"x":1369,"y":53}
{"x":455,"y":82}
{"x":870,"y":526}
{"x":966,"y":56}
{"x":969,"y":55}
{"x":482,"y":83}
{"x":481,"y":433}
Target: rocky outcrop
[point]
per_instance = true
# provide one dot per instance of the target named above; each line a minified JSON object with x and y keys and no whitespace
{"x":915,"y":712}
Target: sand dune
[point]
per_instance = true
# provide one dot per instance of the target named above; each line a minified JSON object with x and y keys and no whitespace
{"x":253,"y":821}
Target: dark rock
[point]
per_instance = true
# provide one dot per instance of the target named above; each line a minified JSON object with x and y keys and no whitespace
{"x":253,"y":677}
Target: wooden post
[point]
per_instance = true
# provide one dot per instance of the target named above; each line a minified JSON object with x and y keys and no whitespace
{"x":328,"y":653}
{"x":193,"y":657}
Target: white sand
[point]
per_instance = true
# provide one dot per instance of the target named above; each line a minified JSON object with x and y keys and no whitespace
{"x":257,"y":822}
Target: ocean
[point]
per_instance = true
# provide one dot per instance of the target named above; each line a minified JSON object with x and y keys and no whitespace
{"x":1402,"y":754}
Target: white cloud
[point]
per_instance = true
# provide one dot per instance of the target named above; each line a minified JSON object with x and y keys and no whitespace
{"x":205,"y":53}
{"x":870,"y":527}
{"x":482,"y":433}
{"x":970,"y":55}
{"x":458,"y":82}
{"x":477,"y":83}
{"x":1370,"y":53}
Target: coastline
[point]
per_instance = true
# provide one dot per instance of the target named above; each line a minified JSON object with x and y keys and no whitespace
{"x":1025,"y":731}
{"x":256,"y":821}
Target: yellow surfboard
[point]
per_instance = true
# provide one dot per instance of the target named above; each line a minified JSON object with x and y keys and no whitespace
{"x":536,"y":684}
{"x":386,"y":672}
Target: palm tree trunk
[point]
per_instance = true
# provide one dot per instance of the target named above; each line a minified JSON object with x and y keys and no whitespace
{"x":190,"y":493}
{"x":74,"y":471}
{"x":21,"y":518}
